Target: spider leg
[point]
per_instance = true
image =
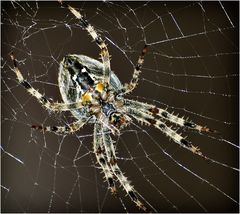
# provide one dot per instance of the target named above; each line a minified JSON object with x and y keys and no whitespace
{"x":168,"y":131}
{"x":40,"y":97}
{"x":153,"y":110}
{"x":67,"y":129}
{"x":112,"y":160}
{"x":127,"y":88}
{"x":96,"y":37}
{"x":98,"y":150}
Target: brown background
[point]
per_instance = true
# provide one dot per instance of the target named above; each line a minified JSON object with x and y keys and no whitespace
{"x":50,"y":168}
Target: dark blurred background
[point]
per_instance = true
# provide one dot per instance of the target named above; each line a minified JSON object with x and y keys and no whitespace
{"x":191,"y":68}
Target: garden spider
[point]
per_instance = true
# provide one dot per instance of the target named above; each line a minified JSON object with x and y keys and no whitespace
{"x":93,"y":94}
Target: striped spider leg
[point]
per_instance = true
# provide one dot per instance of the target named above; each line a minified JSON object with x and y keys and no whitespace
{"x":97,"y":38}
{"x":112,"y":160}
{"x":52,"y":106}
{"x":66,"y":129}
{"x":129,"y":87}
{"x":164,"y":114}
{"x":98,"y":149}
{"x":146,"y":113}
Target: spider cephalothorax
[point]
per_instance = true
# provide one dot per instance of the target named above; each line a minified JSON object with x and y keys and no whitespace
{"x":93,"y":94}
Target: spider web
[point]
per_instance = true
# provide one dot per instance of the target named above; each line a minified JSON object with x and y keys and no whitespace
{"x":191,"y":69}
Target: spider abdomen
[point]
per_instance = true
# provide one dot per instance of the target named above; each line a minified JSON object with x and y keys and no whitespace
{"x":79,"y":73}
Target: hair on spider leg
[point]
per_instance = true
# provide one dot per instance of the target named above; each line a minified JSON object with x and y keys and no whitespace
{"x":208,"y":130}
{"x":13,"y":59}
{"x":185,"y":123}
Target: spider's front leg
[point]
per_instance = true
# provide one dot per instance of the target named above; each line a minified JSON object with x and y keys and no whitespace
{"x":112,"y":160}
{"x":40,"y":97}
{"x":97,"y":38}
{"x":98,"y":150}
{"x":127,"y":88}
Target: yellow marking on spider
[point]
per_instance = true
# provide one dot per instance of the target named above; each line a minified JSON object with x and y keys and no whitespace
{"x":87,"y":97}
{"x":100,"y":87}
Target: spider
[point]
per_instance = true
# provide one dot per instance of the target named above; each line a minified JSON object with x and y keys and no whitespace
{"x":93,"y":94}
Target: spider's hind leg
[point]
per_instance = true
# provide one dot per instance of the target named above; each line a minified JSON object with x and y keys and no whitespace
{"x":96,"y":37}
{"x":40,"y":97}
